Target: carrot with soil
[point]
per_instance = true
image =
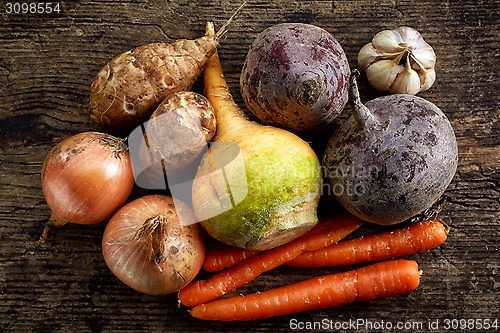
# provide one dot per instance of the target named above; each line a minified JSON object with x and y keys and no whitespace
{"x":327,"y":232}
{"x":416,"y":238}
{"x":375,"y":281}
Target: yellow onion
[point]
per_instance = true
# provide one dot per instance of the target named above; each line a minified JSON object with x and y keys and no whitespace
{"x":85,"y":179}
{"x":153,"y":246}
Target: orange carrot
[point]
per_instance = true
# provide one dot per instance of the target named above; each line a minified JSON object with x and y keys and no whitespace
{"x":378,"y":280}
{"x":322,"y":235}
{"x":416,"y":238}
{"x":222,"y":256}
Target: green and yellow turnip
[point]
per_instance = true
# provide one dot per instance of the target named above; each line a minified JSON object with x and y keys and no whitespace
{"x":258,"y":186}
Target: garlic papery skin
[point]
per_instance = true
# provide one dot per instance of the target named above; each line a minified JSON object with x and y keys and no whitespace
{"x":383,"y":73}
{"x":398,"y":61}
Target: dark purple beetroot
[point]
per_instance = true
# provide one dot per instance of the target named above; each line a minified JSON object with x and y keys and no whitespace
{"x":392,"y":159}
{"x":296,"y":76}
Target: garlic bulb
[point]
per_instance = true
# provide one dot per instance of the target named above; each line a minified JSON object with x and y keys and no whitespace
{"x":398,"y":61}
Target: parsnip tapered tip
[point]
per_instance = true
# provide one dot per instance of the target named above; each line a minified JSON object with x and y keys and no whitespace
{"x":209,"y":29}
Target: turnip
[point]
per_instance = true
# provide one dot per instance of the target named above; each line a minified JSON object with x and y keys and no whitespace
{"x":258,"y":186}
{"x":392,"y":159}
{"x":295,"y":76}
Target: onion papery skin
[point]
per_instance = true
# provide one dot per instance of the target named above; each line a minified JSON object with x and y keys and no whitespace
{"x":86,"y":178}
{"x":137,"y":260}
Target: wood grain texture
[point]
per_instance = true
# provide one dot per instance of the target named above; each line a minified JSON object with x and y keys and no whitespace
{"x":47,"y":63}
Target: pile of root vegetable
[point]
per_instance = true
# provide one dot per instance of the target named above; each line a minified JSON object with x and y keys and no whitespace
{"x":254,"y":190}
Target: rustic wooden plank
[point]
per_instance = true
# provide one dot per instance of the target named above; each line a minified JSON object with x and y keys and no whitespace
{"x":47,"y":64}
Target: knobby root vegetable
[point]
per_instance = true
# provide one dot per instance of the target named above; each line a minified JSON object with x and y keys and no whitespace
{"x":258,"y":186}
{"x":147,"y":248}
{"x":85,"y":179}
{"x":169,"y":145}
{"x":378,"y":280}
{"x":416,"y":238}
{"x":128,"y":89}
{"x":178,"y":130}
{"x":324,"y":234}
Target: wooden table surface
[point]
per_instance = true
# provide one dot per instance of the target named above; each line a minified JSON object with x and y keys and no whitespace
{"x":47,"y":63}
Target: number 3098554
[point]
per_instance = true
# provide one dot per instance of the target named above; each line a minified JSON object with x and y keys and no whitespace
{"x":32,"y":7}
